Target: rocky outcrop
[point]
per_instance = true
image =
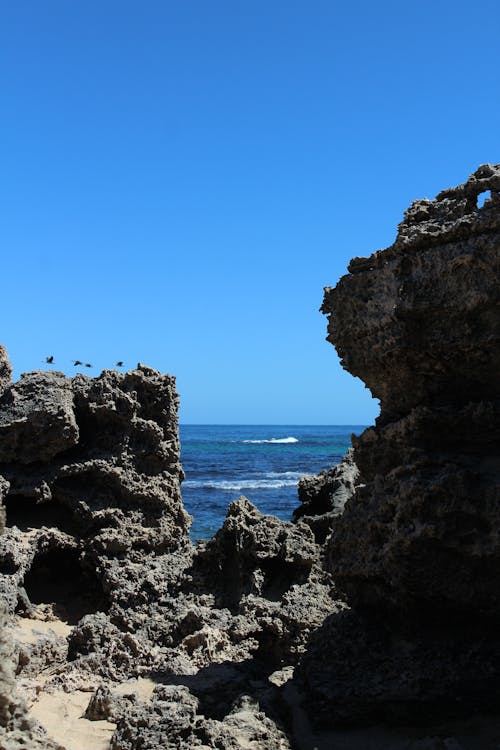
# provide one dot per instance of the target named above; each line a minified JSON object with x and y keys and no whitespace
{"x":104,"y":588}
{"x":17,"y":729}
{"x":90,"y":477}
{"x":5,"y":369}
{"x":268,"y":574}
{"x":323,"y":496}
{"x":154,"y":642}
{"x":94,"y":474}
{"x":416,"y":551}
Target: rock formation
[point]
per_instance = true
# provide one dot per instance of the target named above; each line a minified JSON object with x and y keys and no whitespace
{"x":143,"y":640}
{"x":416,"y":550}
{"x":324,"y":496}
{"x":5,"y":370}
{"x":110,"y":603}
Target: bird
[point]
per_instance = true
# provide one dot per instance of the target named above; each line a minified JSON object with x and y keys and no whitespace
{"x":77,"y":362}
{"x":119,"y":364}
{"x":87,"y":364}
{"x":49,"y":360}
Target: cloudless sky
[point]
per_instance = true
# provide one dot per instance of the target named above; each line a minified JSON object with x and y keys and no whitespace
{"x":181,"y":179}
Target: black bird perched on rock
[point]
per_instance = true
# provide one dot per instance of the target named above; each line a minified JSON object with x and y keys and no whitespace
{"x":119,"y":364}
{"x":87,"y":364}
{"x":49,"y":360}
{"x":77,"y":362}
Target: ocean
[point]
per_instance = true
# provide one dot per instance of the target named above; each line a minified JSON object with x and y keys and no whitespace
{"x":262,"y":462}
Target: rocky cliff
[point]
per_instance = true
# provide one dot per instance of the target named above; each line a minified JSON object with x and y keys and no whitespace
{"x":416,"y":550}
{"x":106,"y":595}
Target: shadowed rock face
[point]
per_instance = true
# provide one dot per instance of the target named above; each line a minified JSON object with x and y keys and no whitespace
{"x":416,"y":550}
{"x":323,"y":496}
{"x":420,"y":324}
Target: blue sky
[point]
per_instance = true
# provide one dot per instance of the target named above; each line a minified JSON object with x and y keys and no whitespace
{"x":181,"y":179}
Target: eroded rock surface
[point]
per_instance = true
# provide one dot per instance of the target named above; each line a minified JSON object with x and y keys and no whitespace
{"x":417,"y":549}
{"x":420,"y":323}
{"x":323,"y":496}
{"x":104,"y":588}
{"x":5,"y":369}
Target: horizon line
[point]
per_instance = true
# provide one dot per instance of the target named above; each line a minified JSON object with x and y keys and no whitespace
{"x":273,"y":424}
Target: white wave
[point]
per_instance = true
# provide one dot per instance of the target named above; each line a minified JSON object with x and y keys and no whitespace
{"x":244,"y":484}
{"x":273,"y":440}
{"x":284,"y":475}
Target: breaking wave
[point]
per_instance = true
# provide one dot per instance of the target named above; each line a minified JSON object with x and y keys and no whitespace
{"x":244,"y":484}
{"x":273,"y":440}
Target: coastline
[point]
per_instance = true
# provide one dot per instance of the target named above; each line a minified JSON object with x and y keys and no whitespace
{"x":368,"y":621}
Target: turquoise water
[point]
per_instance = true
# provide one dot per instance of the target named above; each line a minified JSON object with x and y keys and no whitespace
{"x":262,"y":462}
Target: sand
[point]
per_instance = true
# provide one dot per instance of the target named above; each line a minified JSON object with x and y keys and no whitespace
{"x":61,"y":714}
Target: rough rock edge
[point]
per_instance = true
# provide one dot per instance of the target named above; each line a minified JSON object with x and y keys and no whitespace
{"x":416,"y":549}
{"x":97,"y":480}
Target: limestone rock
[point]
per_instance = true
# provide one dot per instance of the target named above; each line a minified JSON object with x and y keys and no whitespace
{"x":257,"y":554}
{"x":37,"y":420}
{"x":17,"y":729}
{"x":95,"y":522}
{"x":5,"y":369}
{"x":420,"y":324}
{"x":323,"y":496}
{"x":416,"y":551}
{"x":268,"y":573}
{"x":97,"y":567}
{"x":173,"y":722}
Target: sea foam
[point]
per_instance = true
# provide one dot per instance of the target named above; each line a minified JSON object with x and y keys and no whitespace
{"x":273,"y":440}
{"x":244,"y":484}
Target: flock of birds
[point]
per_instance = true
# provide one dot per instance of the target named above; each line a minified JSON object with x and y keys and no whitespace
{"x":77,"y":362}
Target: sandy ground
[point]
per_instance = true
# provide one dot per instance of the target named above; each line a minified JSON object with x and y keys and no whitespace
{"x":62,"y":715}
{"x":27,"y":630}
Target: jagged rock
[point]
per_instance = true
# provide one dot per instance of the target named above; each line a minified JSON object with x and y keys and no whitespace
{"x":97,"y":538}
{"x":420,"y":323}
{"x":268,"y":573}
{"x":257,"y":554}
{"x":323,"y":496}
{"x":17,"y":729}
{"x":172,"y":722}
{"x":36,"y":418}
{"x":5,"y":370}
{"x":93,"y":468}
{"x":417,"y":549}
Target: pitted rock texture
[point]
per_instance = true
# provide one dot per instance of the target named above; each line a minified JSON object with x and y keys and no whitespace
{"x":103,"y":585}
{"x":17,"y":729}
{"x":5,"y":369}
{"x":37,"y":420}
{"x":323,"y":496}
{"x":94,"y":473}
{"x":416,"y":551}
{"x":420,"y":324}
{"x":268,"y":574}
{"x":173,"y":721}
